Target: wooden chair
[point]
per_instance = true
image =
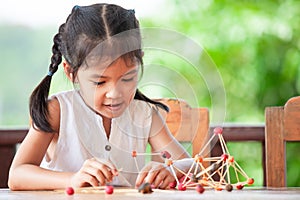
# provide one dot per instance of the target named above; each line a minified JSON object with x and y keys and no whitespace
{"x":9,"y":138}
{"x":187,"y":124}
{"x":282,"y":125}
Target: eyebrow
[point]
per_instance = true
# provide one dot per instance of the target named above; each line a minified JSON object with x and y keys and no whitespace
{"x":100,"y":76}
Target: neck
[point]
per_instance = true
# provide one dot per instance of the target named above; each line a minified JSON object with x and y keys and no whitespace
{"x":107,"y":126}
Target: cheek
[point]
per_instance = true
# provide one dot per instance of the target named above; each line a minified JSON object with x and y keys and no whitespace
{"x":127,"y":89}
{"x":89,"y":99}
{"x":91,"y":96}
{"x":98,"y":97}
{"x":132,"y":87}
{"x":130,"y":94}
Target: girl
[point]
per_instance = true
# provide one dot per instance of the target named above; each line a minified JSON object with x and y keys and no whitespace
{"x":85,"y":137}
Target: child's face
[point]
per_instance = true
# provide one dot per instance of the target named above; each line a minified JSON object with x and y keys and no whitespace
{"x":109,"y":90}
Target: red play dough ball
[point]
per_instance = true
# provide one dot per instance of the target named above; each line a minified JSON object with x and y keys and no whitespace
{"x":165,"y":154}
{"x":250,"y":181}
{"x":224,"y":157}
{"x":70,"y":191}
{"x":200,"y":189}
{"x":239,"y":186}
{"x":181,"y":187}
{"x":218,"y":130}
{"x":173,"y":184}
{"x":109,"y":189}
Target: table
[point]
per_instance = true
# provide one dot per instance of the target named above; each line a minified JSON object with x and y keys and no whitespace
{"x":131,"y":194}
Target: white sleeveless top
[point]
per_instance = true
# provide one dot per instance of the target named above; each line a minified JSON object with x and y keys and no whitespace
{"x":82,"y":136}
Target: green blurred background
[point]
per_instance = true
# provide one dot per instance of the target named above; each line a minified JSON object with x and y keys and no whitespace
{"x":254,"y":45}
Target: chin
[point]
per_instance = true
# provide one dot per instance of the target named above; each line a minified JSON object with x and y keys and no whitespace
{"x":111,"y":115}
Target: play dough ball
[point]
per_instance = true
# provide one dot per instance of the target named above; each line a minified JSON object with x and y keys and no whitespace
{"x":173,"y":184}
{"x":109,"y":189}
{"x":181,"y":187}
{"x":218,"y":130}
{"x":145,"y":188}
{"x":200,"y":189}
{"x":70,"y":191}
{"x":239,"y":186}
{"x":229,"y":187}
{"x":165,"y":154}
{"x":250,"y":181}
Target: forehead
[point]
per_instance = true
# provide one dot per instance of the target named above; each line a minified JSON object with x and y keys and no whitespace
{"x":117,"y":67}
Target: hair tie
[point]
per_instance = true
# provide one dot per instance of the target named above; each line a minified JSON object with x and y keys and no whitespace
{"x":132,"y":11}
{"x":76,"y":7}
{"x":50,"y":73}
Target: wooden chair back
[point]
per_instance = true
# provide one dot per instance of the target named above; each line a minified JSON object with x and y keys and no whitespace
{"x":9,"y":138}
{"x":282,"y":125}
{"x":187,"y":124}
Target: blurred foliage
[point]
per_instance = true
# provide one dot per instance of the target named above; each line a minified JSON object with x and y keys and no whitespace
{"x":254,"y":45}
{"x":249,"y":157}
{"x":293,"y":163}
{"x":24,"y":58}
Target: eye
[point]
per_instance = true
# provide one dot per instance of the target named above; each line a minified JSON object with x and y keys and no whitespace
{"x":99,"y":83}
{"x":128,"y":79}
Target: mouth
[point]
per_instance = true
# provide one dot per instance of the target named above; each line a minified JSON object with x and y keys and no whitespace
{"x":113,"y":107}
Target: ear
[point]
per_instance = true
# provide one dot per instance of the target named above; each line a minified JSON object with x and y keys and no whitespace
{"x":68,"y":70}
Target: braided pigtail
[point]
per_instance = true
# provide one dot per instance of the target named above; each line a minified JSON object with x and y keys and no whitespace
{"x":141,"y":96}
{"x":38,"y":104}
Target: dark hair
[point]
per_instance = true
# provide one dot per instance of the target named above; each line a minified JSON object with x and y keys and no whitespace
{"x":84,"y":29}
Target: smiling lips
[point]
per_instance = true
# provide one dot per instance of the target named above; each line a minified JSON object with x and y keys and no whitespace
{"x":113,"y":107}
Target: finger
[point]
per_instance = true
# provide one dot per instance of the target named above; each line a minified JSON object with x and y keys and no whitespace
{"x":153,"y":173}
{"x":107,"y":163}
{"x":103,"y":169}
{"x":103,"y":172}
{"x":160,"y":178}
{"x":97,"y":174}
{"x":165,"y":183}
{"x":151,"y":176}
{"x":141,"y":177}
{"x":89,"y":179}
{"x":111,"y":167}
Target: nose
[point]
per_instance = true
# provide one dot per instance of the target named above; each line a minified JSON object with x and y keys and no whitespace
{"x":113,"y":92}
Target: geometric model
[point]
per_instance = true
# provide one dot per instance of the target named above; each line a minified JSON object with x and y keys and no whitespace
{"x":203,"y":170}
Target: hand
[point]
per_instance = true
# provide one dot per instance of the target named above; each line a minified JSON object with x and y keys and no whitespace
{"x":156,"y":174}
{"x":94,"y":172}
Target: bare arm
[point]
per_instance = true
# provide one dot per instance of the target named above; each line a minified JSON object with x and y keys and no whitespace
{"x":161,"y":140}
{"x":26,"y":173}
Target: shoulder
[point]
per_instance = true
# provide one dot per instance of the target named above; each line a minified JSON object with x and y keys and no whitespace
{"x":139,"y":112}
{"x":54,"y":113}
{"x":64,"y":95}
{"x":65,"y":108}
{"x":139,"y":106}
{"x":66,"y":98}
{"x":146,"y":112}
{"x":58,"y":102}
